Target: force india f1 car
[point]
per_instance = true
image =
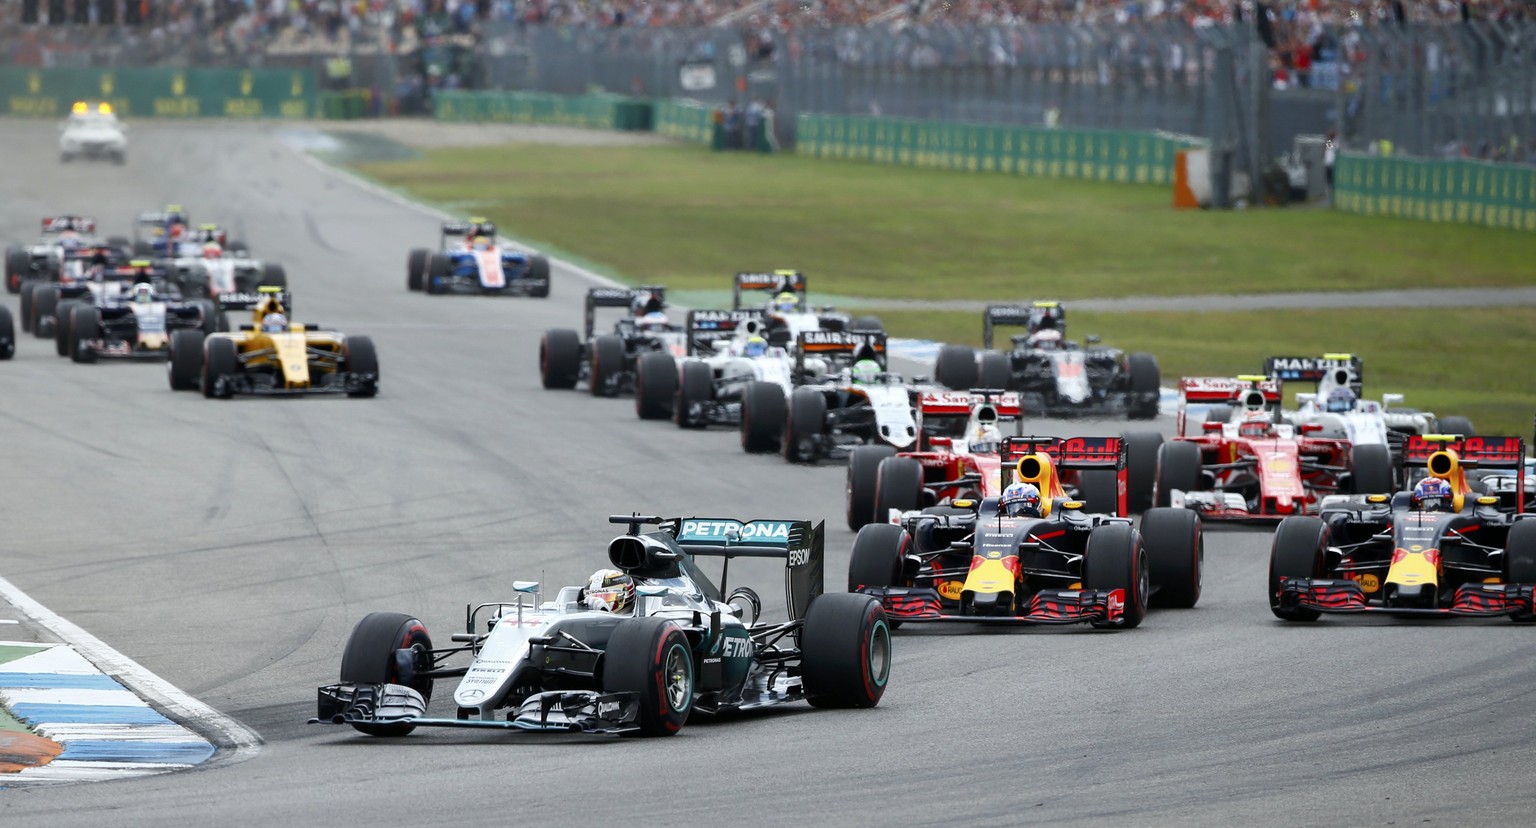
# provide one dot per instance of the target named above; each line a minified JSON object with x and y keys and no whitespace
{"x":606,"y":362}
{"x":477,"y":265}
{"x":971,"y":562}
{"x":1474,"y":556}
{"x":1056,"y":377}
{"x":829,"y":417}
{"x":682,"y":648}
{"x":293,"y":359}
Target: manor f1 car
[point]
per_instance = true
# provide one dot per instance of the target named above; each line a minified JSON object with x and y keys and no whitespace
{"x":972,"y":562}
{"x":1470,"y":555}
{"x":477,"y":265}
{"x":682,"y":647}
{"x":607,"y":362}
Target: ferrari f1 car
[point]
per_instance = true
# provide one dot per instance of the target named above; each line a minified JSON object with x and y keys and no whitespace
{"x":273,"y":356}
{"x":606,"y":362}
{"x":478,"y":265}
{"x":682,"y":648}
{"x":1055,"y":377}
{"x":1252,"y":468}
{"x":972,"y":562}
{"x":1472,"y":556}
{"x":788,"y":309}
{"x":828,"y":417}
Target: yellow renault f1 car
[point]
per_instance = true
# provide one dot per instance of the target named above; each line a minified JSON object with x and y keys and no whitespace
{"x":1467,"y":553}
{"x":273,"y":356}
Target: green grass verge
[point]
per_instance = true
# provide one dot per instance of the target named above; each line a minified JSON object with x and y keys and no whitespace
{"x":1471,"y":362}
{"x":688,"y":217}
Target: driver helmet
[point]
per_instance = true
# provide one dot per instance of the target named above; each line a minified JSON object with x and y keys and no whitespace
{"x":654,"y":321}
{"x":987,"y":439}
{"x":176,"y":230}
{"x":274,"y":323}
{"x":1047,"y":339}
{"x":212,"y":250}
{"x":785,"y":302}
{"x":1340,"y":400}
{"x":143,"y":293}
{"x":645,"y":302}
{"x":865,"y":372}
{"x":756,"y":346}
{"x":1255,"y":424}
{"x":1433,"y":495}
{"x":69,"y":239}
{"x":481,"y":243}
{"x":609,"y":590}
{"x":1020,"y":500}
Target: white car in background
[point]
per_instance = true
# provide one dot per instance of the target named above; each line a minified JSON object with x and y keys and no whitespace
{"x":93,"y":131}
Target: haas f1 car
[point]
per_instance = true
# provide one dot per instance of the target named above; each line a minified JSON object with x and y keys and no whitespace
{"x":973,"y":562}
{"x":1466,"y":554}
{"x":470,"y":261}
{"x":607,"y":362}
{"x":681,"y":647}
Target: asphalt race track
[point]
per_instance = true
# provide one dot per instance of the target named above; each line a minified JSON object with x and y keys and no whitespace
{"x":230,"y":546}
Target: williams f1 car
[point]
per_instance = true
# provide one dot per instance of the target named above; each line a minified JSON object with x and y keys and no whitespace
{"x":788,"y":311}
{"x":607,"y":362}
{"x":681,"y":648}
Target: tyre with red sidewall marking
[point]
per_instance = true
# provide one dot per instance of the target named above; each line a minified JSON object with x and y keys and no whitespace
{"x":560,"y":358}
{"x":845,"y":651}
{"x":1300,"y":547}
{"x":370,"y":658}
{"x":655,"y":385}
{"x":651,"y":657}
{"x":863,"y":476}
{"x":1115,"y":559}
{"x":762,"y":417}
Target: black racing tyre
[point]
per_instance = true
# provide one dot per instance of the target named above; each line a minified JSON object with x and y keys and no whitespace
{"x":695,"y":385}
{"x":45,"y":308}
{"x":62,"y":332}
{"x":655,"y":385}
{"x":1520,"y":560}
{"x":358,"y":356}
{"x":651,"y":657}
{"x":955,"y":367}
{"x":538,"y":268}
{"x":995,"y":370}
{"x":1456,"y":425}
{"x":762,"y":416}
{"x":1220,"y":413}
{"x":845,"y":651}
{"x":1145,"y":384}
{"x":18,"y":264}
{"x":143,"y":249}
{"x":1298,"y":551}
{"x":185,"y":365}
{"x":863,"y":474}
{"x":1178,"y":467}
{"x":1141,"y":450}
{"x":804,"y":425}
{"x":26,"y":305}
{"x":371,"y":657}
{"x":878,"y":550}
{"x":273,"y":275}
{"x":1175,"y":547}
{"x":220,"y":358}
{"x":1371,"y":470}
{"x":560,"y":358}
{"x":238,"y":247}
{"x":899,"y":486}
{"x":607,"y":365}
{"x":867,"y":324}
{"x":7,"y":334}
{"x":210,"y":313}
{"x":439,"y":267}
{"x":119,"y":242}
{"x":84,"y":324}
{"x":1099,"y":489}
{"x":1116,"y":559}
{"x":416,"y":268}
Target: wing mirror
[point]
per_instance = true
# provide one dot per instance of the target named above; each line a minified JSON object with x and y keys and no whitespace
{"x":1093,"y":339}
{"x":1390,"y":400}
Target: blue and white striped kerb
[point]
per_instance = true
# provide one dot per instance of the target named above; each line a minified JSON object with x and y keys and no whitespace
{"x":105,"y":729}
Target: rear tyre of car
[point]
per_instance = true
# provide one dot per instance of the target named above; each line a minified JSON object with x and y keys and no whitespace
{"x":1099,"y":489}
{"x":1520,"y":560}
{"x":1218,"y":414}
{"x":867,"y":324}
{"x":845,"y":651}
{"x":560,"y":358}
{"x":651,"y":657}
{"x":995,"y":370}
{"x":1298,"y":551}
{"x":655,"y":385}
{"x":863,"y":476}
{"x":1371,"y":470}
{"x":955,"y":367}
{"x":18,"y":263}
{"x":62,"y":332}
{"x":1457,"y":425}
{"x":807,"y":418}
{"x":372,"y":657}
{"x":1116,"y":559}
{"x":359,"y":357}
{"x":538,"y":269}
{"x":210,"y":316}
{"x":1178,"y":467}
{"x":27,"y":289}
{"x":438,"y":269}
{"x":607,"y":365}
{"x":185,"y":365}
{"x":45,"y":309}
{"x":695,"y":386}
{"x":1141,"y":450}
{"x":1175,"y":547}
{"x":762,"y":417}
{"x":220,"y":359}
{"x":416,"y":268}
{"x":7,"y":334}
{"x":273,"y":275}
{"x":84,"y":324}
{"x":899,"y":486}
{"x":878,"y":550}
{"x":1145,"y":385}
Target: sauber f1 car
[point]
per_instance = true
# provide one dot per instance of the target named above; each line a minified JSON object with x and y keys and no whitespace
{"x":606,"y":362}
{"x":972,"y":562}
{"x":273,"y":356}
{"x":477,"y":265}
{"x":1472,"y":556}
{"x":1056,"y":377}
{"x":682,"y":647}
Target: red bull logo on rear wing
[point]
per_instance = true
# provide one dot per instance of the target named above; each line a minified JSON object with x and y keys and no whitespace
{"x":1068,"y":452}
{"x":1471,"y":452}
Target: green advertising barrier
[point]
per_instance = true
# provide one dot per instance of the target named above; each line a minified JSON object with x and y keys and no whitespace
{"x":1098,"y":155}
{"x":587,"y":111}
{"x":345,"y":105}
{"x":685,"y":121}
{"x":1467,"y":192}
{"x":142,"y":93}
